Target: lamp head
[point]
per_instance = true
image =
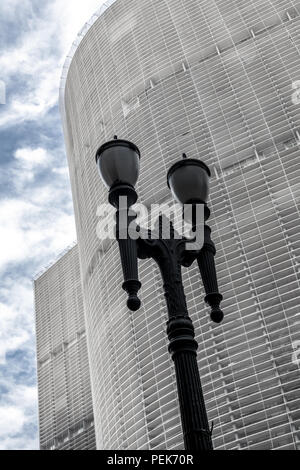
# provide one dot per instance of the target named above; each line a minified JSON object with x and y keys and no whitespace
{"x":118,"y":162}
{"x":188,"y":180}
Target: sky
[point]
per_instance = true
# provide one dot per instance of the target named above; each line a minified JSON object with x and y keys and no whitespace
{"x":36,"y":210}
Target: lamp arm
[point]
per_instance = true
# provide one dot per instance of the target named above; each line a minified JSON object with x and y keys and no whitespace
{"x":129,"y":260}
{"x":207,"y":268}
{"x":122,"y":197}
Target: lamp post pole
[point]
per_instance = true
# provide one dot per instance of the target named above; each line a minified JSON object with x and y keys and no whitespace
{"x":170,"y":254}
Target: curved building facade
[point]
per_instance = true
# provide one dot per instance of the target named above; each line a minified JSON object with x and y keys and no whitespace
{"x":217,"y":80}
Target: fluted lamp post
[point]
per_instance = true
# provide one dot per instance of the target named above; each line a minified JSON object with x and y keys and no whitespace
{"x":188,"y":179}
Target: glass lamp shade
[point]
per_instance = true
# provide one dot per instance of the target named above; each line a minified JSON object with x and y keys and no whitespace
{"x":188,"y":180}
{"x":118,"y":162}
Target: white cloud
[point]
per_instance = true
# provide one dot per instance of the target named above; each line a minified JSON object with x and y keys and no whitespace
{"x":11,"y":231}
{"x":25,"y":396}
{"x":12,"y":420}
{"x":34,"y":230}
{"x":19,"y":443}
{"x":32,"y":157}
{"x":16,"y":318}
{"x":64,"y":171}
{"x":8,"y":8}
{"x":18,"y":402}
{"x":18,"y":409}
{"x":28,"y":162}
{"x":41,"y":56}
{"x":37,"y":222}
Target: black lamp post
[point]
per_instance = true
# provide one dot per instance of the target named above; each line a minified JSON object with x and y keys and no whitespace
{"x":188,"y":179}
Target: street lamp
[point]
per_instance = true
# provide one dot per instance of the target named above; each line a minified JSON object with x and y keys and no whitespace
{"x":188,"y":179}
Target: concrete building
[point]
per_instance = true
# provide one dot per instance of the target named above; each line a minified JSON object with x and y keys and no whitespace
{"x":218,"y":81}
{"x":65,"y":400}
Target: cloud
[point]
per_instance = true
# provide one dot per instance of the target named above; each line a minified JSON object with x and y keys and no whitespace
{"x":16,"y":319}
{"x":12,"y":420}
{"x":35,"y":229}
{"x":64,"y":171}
{"x":18,"y":397}
{"x":18,"y":409}
{"x":38,"y":220}
{"x":9,"y":7}
{"x":32,"y":157}
{"x":38,"y":61}
{"x":19,"y":443}
{"x":29,"y":162}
